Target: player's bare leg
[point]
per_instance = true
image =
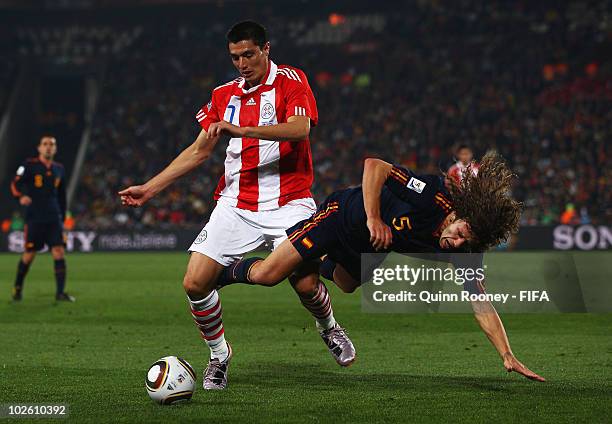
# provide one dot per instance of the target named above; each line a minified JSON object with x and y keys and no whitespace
{"x":200,"y":285}
{"x":276,"y":267}
{"x":59,"y":267}
{"x":343,"y":279}
{"x":26,"y":260}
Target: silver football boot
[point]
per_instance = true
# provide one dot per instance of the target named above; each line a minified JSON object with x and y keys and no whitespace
{"x":339,"y":345}
{"x":215,"y":374}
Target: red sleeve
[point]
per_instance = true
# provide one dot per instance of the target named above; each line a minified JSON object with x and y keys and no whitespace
{"x":299,"y":98}
{"x":208,"y":113}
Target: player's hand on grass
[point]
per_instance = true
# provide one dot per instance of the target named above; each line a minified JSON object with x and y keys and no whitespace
{"x":218,"y":128}
{"x":25,"y":200}
{"x":135,"y":196}
{"x":513,"y":364}
{"x":380,"y":233}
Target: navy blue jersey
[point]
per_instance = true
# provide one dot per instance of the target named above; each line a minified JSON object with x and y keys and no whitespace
{"x":413,"y":206}
{"x":45,"y":185}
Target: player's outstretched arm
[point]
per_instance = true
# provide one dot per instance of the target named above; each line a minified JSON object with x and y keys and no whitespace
{"x":185,"y":162}
{"x":297,"y":128}
{"x":375,"y":173}
{"x":491,"y":324}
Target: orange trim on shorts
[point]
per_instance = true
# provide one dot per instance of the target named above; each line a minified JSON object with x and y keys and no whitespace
{"x":308,"y":226}
{"x":314,"y":221}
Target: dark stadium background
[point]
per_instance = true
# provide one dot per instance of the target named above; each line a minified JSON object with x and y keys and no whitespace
{"x":118,"y":82}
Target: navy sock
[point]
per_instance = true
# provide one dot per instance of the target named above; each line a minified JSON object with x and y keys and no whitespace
{"x":327,"y":268}
{"x":237,"y":272}
{"x":60,"y":275}
{"x":22,"y":270}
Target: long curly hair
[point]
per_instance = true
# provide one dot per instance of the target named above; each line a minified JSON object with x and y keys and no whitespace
{"x":485,"y":202}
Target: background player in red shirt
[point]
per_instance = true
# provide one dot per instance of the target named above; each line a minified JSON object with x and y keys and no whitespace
{"x":267,"y":112}
{"x":465,"y":157}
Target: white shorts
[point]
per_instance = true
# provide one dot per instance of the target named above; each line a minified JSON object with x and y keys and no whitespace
{"x":232,"y":232}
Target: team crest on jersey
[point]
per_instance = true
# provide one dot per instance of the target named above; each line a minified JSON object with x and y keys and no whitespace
{"x":416,"y":185}
{"x":267,"y":111}
{"x":209,"y":105}
{"x":201,"y":237}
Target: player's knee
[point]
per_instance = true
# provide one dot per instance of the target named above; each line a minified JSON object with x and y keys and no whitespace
{"x":305,"y":285}
{"x":306,"y":278}
{"x":57,"y":253}
{"x":193,"y":287}
{"x":28,"y":257}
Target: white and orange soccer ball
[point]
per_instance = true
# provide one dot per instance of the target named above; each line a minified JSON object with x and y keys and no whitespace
{"x":170,"y":380}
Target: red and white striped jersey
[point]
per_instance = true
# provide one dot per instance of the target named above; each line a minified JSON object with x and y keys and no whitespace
{"x":457,"y":171}
{"x":263,"y":174}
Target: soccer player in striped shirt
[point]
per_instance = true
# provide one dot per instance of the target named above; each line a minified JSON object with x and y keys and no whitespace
{"x":398,"y":210}
{"x":267,"y":112}
{"x":465,"y":160}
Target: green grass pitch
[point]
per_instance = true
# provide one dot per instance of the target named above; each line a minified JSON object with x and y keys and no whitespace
{"x":131,"y":310}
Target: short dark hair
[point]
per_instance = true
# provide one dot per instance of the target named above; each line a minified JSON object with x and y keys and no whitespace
{"x":42,"y":137}
{"x":248,"y":30}
{"x":461,"y":147}
{"x":484,"y":200}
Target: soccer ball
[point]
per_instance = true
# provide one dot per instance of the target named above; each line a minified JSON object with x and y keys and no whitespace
{"x":170,"y":380}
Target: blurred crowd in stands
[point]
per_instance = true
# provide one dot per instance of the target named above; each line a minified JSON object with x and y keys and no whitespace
{"x":532,"y":80}
{"x":74,"y":44}
{"x":8,"y":66}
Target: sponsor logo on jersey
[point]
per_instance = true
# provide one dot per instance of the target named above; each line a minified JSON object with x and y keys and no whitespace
{"x":251,"y":102}
{"x":416,"y":185}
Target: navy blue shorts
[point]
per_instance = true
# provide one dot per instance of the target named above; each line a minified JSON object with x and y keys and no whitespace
{"x":37,"y":234}
{"x":319,"y":235}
